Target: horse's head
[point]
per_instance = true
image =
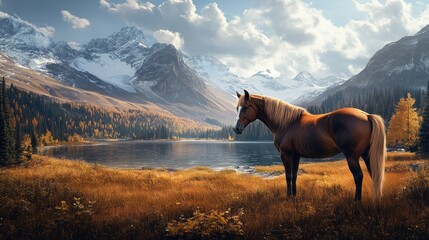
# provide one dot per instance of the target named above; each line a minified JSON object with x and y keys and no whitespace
{"x":246,"y":112}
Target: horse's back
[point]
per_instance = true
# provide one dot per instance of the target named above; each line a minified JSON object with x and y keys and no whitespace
{"x":350,"y":128}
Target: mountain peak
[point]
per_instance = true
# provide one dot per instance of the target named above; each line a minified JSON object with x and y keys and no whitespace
{"x":424,"y":30}
{"x":304,"y":77}
{"x":164,"y":54}
{"x":15,"y":30}
{"x":4,"y":15}
{"x":126,"y":37}
{"x":267,"y":73}
{"x":127,"y":34}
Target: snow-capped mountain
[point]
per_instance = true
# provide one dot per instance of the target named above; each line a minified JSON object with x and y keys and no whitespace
{"x":164,"y":74}
{"x":404,"y":63}
{"x":19,"y":34}
{"x":116,"y":66}
{"x":23,"y":41}
{"x":129,"y":45}
{"x":218,"y":74}
{"x":305,"y":78}
{"x":264,"y":82}
{"x":293,"y":90}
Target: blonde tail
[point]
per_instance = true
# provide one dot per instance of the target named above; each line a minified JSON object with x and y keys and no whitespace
{"x":377,"y":153}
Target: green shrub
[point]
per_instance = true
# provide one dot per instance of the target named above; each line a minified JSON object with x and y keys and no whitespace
{"x":214,"y":225}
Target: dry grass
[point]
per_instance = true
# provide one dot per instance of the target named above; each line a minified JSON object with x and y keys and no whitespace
{"x":105,"y":203}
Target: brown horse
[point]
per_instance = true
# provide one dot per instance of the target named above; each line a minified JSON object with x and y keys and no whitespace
{"x":297,"y":133}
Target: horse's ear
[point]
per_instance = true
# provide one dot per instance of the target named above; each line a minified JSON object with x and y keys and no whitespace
{"x":246,"y":95}
{"x":238,"y":94}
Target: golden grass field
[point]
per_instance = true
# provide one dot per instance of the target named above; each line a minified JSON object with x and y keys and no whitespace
{"x":49,"y":198}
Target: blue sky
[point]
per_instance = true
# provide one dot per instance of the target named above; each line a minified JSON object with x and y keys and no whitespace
{"x":335,"y":37}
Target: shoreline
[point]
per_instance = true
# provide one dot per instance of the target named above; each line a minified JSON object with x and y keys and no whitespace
{"x":120,"y":140}
{"x":263,"y":171}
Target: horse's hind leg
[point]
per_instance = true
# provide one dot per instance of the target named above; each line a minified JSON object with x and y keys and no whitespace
{"x":353,"y":162}
{"x":365,"y":157}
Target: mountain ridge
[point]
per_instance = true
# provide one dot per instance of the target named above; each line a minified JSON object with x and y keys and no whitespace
{"x":402,"y":63}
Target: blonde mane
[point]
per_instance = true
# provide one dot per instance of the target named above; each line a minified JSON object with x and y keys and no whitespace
{"x":280,"y":112}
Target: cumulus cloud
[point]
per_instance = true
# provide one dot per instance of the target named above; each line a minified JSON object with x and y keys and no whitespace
{"x":76,"y":22}
{"x":287,"y":36}
{"x":165,"y":36}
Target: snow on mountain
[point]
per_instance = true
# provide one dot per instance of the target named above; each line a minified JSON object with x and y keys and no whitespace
{"x":264,"y":82}
{"x":109,"y":69}
{"x":305,"y":78}
{"x":39,"y":64}
{"x":330,"y":81}
{"x":129,"y":45}
{"x":18,"y":31}
{"x":292,"y":90}
{"x":113,"y":59}
{"x":217,"y":73}
{"x":21,"y":40}
{"x":116,"y":58}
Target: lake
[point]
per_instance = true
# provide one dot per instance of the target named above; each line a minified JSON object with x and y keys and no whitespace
{"x":174,"y":154}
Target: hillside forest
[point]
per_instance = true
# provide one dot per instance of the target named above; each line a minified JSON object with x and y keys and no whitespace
{"x":38,"y":121}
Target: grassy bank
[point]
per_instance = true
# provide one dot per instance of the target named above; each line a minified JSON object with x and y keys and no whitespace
{"x":59,"y":199}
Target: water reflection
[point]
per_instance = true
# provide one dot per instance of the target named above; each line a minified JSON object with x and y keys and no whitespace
{"x":172,"y":154}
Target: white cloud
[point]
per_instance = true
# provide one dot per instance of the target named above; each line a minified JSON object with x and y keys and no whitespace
{"x":48,"y":31}
{"x":75,"y":45}
{"x":165,"y":36}
{"x":77,"y":22}
{"x":288,"y":36}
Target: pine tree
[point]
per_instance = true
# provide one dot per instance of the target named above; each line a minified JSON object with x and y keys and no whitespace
{"x":424,"y":128}
{"x":3,"y":152}
{"x":18,"y":146}
{"x":34,"y":142}
{"x":7,"y":152}
{"x":404,"y":124}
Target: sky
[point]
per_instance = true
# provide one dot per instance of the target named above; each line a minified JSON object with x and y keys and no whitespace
{"x":322,"y":37}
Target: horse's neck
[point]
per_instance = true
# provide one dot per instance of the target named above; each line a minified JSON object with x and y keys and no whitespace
{"x":286,"y":114}
{"x":273,"y":127}
{"x":265,"y":118}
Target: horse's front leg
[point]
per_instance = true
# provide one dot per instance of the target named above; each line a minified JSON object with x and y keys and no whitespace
{"x":295,"y":166}
{"x":290,"y":163}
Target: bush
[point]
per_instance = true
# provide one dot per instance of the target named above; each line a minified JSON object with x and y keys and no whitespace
{"x":416,"y":185}
{"x":215,"y":225}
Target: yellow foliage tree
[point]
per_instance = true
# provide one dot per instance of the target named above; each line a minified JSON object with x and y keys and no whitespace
{"x":405,"y":124}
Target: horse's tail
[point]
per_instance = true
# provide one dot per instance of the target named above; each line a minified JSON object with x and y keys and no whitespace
{"x":377,"y":153}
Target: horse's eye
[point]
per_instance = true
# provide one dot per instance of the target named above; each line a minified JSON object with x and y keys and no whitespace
{"x":245,"y":108}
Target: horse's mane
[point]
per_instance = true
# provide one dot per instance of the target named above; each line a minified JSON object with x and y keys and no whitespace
{"x":280,"y":112}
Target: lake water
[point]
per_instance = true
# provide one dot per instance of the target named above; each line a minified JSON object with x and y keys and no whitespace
{"x":173,"y":154}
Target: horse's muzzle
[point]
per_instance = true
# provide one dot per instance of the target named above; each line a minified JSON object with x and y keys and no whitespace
{"x":238,"y":129}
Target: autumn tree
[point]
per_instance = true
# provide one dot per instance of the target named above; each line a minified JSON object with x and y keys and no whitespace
{"x":404,"y":125}
{"x":424,"y":128}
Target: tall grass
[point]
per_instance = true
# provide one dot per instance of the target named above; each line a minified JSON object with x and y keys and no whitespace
{"x":60,"y":199}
